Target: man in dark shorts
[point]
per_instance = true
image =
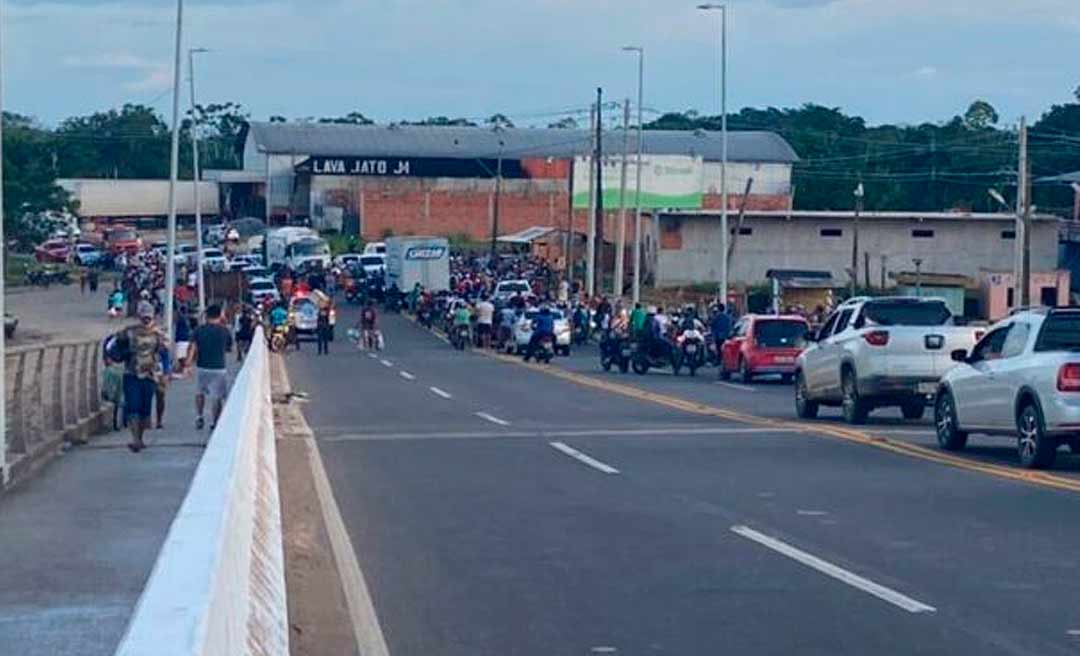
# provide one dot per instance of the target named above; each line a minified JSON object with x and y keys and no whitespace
{"x":138,"y":348}
{"x":209,"y":343}
{"x":368,"y":334}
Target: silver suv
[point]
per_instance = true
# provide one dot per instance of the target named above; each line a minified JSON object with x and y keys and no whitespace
{"x":1023,"y":379}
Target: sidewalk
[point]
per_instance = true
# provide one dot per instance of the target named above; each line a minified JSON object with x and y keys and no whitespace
{"x":78,"y":540}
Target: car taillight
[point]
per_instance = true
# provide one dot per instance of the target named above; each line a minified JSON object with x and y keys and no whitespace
{"x":1069,"y":377}
{"x":877,"y":337}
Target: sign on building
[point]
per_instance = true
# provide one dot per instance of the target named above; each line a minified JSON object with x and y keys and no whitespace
{"x":667,"y":182}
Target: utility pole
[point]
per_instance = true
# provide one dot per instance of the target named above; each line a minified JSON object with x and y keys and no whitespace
{"x":174,"y":165}
{"x":498,"y":195}
{"x":195,"y":183}
{"x":568,"y":244}
{"x":598,"y":241}
{"x":918,"y":275}
{"x":590,"y":235}
{"x":859,"y":193}
{"x":637,"y":186}
{"x":5,"y":475}
{"x":620,"y":248}
{"x":1024,"y":210}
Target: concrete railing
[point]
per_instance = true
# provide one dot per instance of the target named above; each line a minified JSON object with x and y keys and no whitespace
{"x":53,"y":394}
{"x":218,"y":586}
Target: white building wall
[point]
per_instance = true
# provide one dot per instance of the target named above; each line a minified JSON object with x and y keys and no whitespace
{"x":960,"y":247}
{"x":769,"y":179}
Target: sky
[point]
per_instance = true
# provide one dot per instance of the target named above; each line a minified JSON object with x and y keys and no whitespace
{"x":895,"y":61}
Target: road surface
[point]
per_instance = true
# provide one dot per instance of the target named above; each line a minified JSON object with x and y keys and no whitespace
{"x":500,"y":509}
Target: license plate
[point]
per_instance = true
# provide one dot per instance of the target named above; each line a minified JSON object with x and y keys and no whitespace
{"x":927,"y":388}
{"x":785,"y":360}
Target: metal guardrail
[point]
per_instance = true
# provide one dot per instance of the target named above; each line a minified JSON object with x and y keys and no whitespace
{"x":218,"y":586}
{"x":53,"y":394}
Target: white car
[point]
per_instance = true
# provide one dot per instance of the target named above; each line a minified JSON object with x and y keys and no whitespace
{"x":257,"y":272}
{"x":347,"y":260}
{"x":1022,"y":379}
{"x":246,"y":260}
{"x":86,"y":255}
{"x":214,"y":260}
{"x":375,"y":248}
{"x":507,"y":289}
{"x":373,"y":264}
{"x":523,"y":330}
{"x":184,"y":254}
{"x":261,"y":289}
{"x":879,"y":352}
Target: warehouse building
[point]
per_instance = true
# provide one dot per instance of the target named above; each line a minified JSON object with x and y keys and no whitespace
{"x":966,"y":244}
{"x":380,"y":180}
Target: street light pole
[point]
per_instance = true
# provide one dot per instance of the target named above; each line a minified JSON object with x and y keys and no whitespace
{"x":1018,"y":230}
{"x":724,"y":237}
{"x":498,"y":195}
{"x":859,"y":193}
{"x":195,"y":175}
{"x":174,"y":165}
{"x":637,"y":185}
{"x":5,"y":475}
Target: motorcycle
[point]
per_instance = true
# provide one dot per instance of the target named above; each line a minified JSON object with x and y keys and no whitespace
{"x":353,"y":295}
{"x":547,"y":350}
{"x":615,"y":351}
{"x":424,"y":318}
{"x":459,"y":337}
{"x":692,"y":349}
{"x":712,"y":351}
{"x":645,"y":356}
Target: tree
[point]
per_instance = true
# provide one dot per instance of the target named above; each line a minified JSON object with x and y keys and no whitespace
{"x":565,"y":123}
{"x":980,"y":115}
{"x":443,"y":121}
{"x":352,"y":118}
{"x":132,"y":142}
{"x":499,"y":121}
{"x":29,"y":179}
{"x":277,"y":118}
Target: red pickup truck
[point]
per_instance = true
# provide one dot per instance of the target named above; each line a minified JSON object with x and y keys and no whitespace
{"x":119,"y":239}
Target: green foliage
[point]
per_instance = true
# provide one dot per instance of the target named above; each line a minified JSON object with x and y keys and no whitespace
{"x":340,"y":243}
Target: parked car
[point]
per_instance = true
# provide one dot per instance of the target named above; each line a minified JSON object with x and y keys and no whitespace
{"x":523,"y":330}
{"x":261,"y":289}
{"x":347,"y":260}
{"x":375,"y":248}
{"x":1022,"y":379}
{"x":764,"y":344}
{"x":184,"y":254}
{"x":53,"y":251}
{"x":160,"y":247}
{"x":214,"y":260}
{"x":373,"y":264}
{"x":120,"y":239}
{"x":87,"y":255}
{"x":879,"y":352}
{"x":11,"y":322}
{"x":257,"y":272}
{"x":304,"y":315}
{"x":214,"y":235}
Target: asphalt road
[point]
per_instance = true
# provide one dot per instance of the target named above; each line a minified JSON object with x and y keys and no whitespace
{"x":498,"y":509}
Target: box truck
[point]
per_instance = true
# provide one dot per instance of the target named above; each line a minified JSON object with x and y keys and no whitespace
{"x":296,"y":248}
{"x":424,"y":260}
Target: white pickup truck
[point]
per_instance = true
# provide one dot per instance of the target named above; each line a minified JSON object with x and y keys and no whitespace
{"x":879,"y":352}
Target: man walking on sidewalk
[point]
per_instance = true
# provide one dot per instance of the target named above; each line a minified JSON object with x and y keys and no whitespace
{"x":207,"y":353}
{"x":138,"y":348}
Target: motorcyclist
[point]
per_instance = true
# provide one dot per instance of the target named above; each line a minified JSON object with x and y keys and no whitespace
{"x":720,"y":326}
{"x":543,"y":326}
{"x":463,"y":317}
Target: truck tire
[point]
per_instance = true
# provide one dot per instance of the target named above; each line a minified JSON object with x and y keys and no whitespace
{"x":804,"y":407}
{"x":1035,"y":448}
{"x":949,"y":436}
{"x":855,"y":408}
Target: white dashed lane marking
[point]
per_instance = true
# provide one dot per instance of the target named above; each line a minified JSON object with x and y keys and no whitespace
{"x":583,"y":458}
{"x":493,"y":419}
{"x":439,"y":392}
{"x":406,"y":375}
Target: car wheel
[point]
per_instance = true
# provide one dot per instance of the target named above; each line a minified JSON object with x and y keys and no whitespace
{"x":913,"y":409}
{"x":949,"y":435}
{"x":855,"y":409}
{"x":804,"y":407}
{"x":640,"y":366}
{"x":744,"y":372}
{"x":724,"y":373}
{"x":1036,"y":449}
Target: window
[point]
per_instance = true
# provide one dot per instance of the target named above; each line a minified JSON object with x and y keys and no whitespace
{"x":907,"y":313}
{"x":740,"y":329}
{"x":773,"y":333}
{"x":1009,"y":298}
{"x":1016,"y":340}
{"x":1060,"y":332}
{"x":1008,"y":234}
{"x":832,"y":232}
{"x":744,"y":231}
{"x":826,"y":330}
{"x":991,"y":345}
{"x":842,"y":322}
{"x":922,"y":234}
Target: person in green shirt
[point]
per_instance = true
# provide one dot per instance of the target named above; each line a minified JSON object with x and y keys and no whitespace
{"x":637,"y":321}
{"x":463,"y":317}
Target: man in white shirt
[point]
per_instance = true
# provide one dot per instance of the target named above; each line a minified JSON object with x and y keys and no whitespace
{"x":485,"y":315}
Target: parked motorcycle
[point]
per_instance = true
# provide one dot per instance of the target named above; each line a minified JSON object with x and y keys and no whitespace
{"x":546,"y":350}
{"x":692,"y":349}
{"x":615,"y":351}
{"x":645,"y":356}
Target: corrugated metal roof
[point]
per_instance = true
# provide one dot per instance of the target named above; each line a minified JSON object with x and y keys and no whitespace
{"x":1064,"y":178}
{"x":338,"y":140}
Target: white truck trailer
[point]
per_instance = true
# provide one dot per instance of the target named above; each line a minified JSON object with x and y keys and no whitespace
{"x":424,"y":260}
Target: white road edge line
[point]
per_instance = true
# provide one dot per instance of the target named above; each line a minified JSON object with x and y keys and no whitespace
{"x":493,"y":419}
{"x":840,"y":574}
{"x":406,"y":375}
{"x":439,"y":392}
{"x":736,"y":386}
{"x":582,"y":458}
{"x":386,"y":363}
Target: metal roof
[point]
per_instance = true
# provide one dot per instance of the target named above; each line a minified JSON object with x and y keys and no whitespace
{"x":848,"y":215}
{"x":338,"y":140}
{"x":1064,"y":178}
{"x":527,"y":235}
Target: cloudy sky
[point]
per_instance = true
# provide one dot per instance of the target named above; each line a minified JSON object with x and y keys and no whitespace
{"x":888,"y":60}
